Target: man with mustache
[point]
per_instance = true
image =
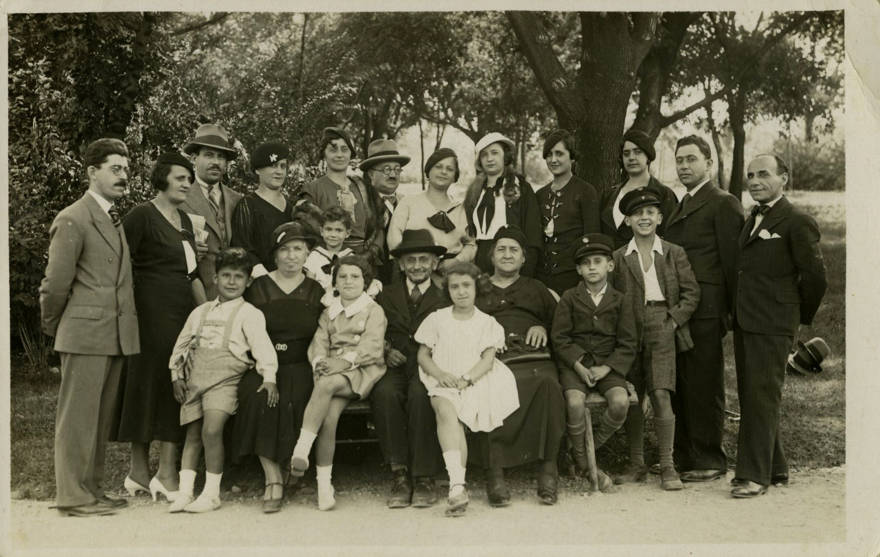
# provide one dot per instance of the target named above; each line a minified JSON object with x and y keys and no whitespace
{"x":706,"y":224}
{"x":382,"y":169}
{"x":87,"y":305}
{"x":211,"y":152}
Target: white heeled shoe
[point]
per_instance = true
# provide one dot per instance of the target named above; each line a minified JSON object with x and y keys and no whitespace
{"x":181,"y":502}
{"x":157,"y":487}
{"x":204,"y":504}
{"x":133,"y":487}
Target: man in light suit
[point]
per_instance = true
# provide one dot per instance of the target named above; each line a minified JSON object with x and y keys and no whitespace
{"x":211,"y":151}
{"x":706,"y":224}
{"x":87,"y":305}
{"x":780,"y":283}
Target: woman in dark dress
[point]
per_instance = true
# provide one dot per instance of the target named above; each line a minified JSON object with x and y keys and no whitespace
{"x":636,"y":155}
{"x":291,"y":303}
{"x":163,"y":260}
{"x":569,"y":210}
{"x":524,"y":307}
{"x":264,"y":210}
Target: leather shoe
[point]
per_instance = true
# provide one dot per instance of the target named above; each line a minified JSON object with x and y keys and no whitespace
{"x":633,"y":473}
{"x":547,"y":488}
{"x":701,"y":475}
{"x":669,"y":479}
{"x":92,"y":509}
{"x":112,"y":502}
{"x":401,"y":491}
{"x":748,"y":489}
{"x":496,"y":489}
{"x":780,"y":480}
{"x":424,"y":495}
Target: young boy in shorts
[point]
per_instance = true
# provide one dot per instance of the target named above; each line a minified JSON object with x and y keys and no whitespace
{"x":664,"y":293}
{"x":594,"y":338}
{"x":220,"y":340}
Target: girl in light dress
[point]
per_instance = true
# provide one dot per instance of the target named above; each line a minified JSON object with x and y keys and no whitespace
{"x":468,"y":386}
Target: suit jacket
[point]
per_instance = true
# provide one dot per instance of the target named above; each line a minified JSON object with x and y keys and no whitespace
{"x":624,"y":234}
{"x":677,"y":283}
{"x":197,"y":203}
{"x":708,"y":229}
{"x":607,"y":332}
{"x":402,"y":322}
{"x":781,"y":274}
{"x":86,"y":297}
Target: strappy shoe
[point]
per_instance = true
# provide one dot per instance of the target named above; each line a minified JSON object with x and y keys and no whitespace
{"x":273,"y":504}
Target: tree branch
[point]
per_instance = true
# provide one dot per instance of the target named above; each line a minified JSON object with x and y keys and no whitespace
{"x":218,"y":17}
{"x":759,"y":55}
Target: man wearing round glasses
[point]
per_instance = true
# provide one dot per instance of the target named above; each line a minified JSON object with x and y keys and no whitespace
{"x":382,"y":169}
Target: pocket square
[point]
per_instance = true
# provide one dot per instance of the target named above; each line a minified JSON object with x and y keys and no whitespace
{"x":765,"y":234}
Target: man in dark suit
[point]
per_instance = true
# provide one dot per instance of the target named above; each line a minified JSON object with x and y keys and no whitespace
{"x":780,"y":283}
{"x":706,"y":224}
{"x":402,"y":412}
{"x":211,"y":152}
{"x":87,"y":305}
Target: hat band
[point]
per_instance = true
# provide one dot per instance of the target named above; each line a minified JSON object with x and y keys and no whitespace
{"x":212,"y":141}
{"x":383,"y":154}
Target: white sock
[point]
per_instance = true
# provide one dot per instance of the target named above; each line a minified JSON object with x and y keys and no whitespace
{"x":212,"y":484}
{"x":323,"y":475}
{"x":187,"y":481}
{"x":304,"y":444}
{"x":454,"y":468}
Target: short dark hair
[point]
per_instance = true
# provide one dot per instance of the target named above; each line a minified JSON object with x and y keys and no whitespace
{"x":481,"y":279}
{"x":701,"y":144}
{"x":337,"y":214}
{"x":358,"y":261}
{"x":561,"y":136}
{"x":159,"y":176}
{"x":329,"y":137}
{"x":97,"y":152}
{"x":234,"y":258}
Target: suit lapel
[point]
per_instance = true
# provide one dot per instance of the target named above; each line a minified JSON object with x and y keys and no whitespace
{"x":607,"y":299}
{"x":229,"y":198}
{"x":635,"y":268}
{"x":660,"y":268}
{"x":104,"y":225}
{"x":428,"y":301}
{"x":200,"y":205}
{"x":695,"y":202}
{"x":773,"y":217}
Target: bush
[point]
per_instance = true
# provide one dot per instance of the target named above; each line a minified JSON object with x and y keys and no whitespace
{"x":815,"y":166}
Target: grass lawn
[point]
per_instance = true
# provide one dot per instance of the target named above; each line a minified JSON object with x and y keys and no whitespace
{"x":813,"y":410}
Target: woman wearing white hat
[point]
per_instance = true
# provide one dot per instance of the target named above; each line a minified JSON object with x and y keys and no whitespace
{"x":500,"y":197}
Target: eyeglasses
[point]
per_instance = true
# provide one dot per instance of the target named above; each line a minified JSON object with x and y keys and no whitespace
{"x":391,"y":170}
{"x":118,"y":170}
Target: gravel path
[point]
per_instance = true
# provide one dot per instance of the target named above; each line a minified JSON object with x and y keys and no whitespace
{"x":811,"y":509}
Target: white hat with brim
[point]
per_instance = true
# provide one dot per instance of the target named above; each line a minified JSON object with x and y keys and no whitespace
{"x":489,"y":139}
{"x":382,"y":150}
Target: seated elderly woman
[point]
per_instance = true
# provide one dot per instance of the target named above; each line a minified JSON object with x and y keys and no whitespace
{"x":524,"y":307}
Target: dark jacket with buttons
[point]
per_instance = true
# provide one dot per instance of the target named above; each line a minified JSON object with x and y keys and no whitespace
{"x":607,"y":333}
{"x":404,"y":319}
{"x":576,"y":212}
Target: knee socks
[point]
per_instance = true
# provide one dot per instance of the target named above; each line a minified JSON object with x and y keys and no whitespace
{"x":576,"y":439}
{"x":607,"y":427}
{"x":635,"y":434}
{"x":665,"y":428}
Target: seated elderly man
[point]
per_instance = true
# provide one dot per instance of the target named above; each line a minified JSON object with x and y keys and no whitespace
{"x":404,"y":419}
{"x":524,"y":307}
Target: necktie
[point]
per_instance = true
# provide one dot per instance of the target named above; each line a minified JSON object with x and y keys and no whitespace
{"x":684,"y":202}
{"x":415,"y":294}
{"x":214,"y":198}
{"x":114,"y":215}
{"x":760,"y":210}
{"x":391,"y":199}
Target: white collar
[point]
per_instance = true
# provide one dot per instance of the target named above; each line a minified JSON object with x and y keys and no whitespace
{"x":336,"y":307}
{"x":218,"y":303}
{"x":694,"y":191}
{"x":601,"y":292}
{"x":103,"y":203}
{"x":205,"y":186}
{"x":631,"y":246}
{"x":772,"y":203}
{"x":423,"y":286}
{"x":329,"y":256}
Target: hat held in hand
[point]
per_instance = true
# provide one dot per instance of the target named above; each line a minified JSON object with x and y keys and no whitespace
{"x":808,"y":357}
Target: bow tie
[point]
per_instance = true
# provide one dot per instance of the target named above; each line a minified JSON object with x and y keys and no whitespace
{"x":760,"y":210}
{"x":328,"y":268}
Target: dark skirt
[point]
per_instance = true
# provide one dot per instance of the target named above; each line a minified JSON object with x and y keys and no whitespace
{"x":271,"y":432}
{"x":534,"y":431}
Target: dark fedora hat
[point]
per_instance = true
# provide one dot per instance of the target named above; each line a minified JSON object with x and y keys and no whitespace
{"x":212,"y":136}
{"x":419,"y":240}
{"x":807,"y":357}
{"x":382,"y":150}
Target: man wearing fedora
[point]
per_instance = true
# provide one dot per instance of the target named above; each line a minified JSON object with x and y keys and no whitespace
{"x":780,"y":283}
{"x":211,"y":151}
{"x":405,"y":422}
{"x":382,"y":169}
{"x":87,"y":305}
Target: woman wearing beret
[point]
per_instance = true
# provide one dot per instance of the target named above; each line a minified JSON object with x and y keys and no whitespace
{"x":337,"y":189}
{"x":261,"y":212}
{"x":569,"y":209}
{"x":163,"y":259}
{"x":500,"y":197}
{"x":636,"y":154}
{"x":436,"y":211}
{"x":262,"y":428}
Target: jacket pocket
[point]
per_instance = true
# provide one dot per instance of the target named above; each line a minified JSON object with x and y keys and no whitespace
{"x":85,"y":312}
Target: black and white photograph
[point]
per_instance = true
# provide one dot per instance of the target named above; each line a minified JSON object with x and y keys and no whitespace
{"x":441,"y":278}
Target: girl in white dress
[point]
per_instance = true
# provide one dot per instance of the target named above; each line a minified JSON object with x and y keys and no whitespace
{"x":468,"y":386}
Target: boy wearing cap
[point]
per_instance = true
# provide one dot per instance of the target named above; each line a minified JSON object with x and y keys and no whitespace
{"x":594,"y":336}
{"x":664,"y":293}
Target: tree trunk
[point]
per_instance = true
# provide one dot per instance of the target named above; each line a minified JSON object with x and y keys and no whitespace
{"x":716,"y":140}
{"x":422,"y":153}
{"x":302,"y":59}
{"x":736,"y":111}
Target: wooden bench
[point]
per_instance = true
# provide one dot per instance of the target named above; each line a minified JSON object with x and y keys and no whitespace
{"x":597,"y":403}
{"x":359,"y":410}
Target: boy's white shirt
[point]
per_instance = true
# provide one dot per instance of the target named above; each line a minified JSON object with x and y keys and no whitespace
{"x":597,"y":298}
{"x":653,"y":292}
{"x":248,"y":335}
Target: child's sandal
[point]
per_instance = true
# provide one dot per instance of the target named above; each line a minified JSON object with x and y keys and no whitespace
{"x":456,"y":505}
